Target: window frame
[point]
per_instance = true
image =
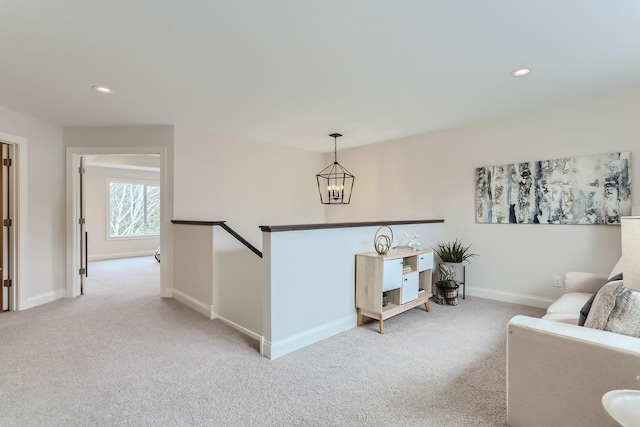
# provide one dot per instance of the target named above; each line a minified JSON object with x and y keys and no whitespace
{"x":145,"y":183}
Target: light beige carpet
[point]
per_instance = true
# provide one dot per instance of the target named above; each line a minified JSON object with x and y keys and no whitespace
{"x":120,"y":355}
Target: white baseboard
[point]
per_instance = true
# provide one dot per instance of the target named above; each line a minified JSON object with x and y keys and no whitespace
{"x":238,"y":327}
{"x":102,"y":257}
{"x":189,"y":301}
{"x":284,"y":346}
{"x":207,"y":310}
{"x":44,"y":298}
{"x":511,"y":297}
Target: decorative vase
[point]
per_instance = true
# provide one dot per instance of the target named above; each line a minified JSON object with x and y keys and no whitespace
{"x":459,"y":271}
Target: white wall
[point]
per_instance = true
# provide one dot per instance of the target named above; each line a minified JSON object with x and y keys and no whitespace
{"x":433,"y":176}
{"x":309,"y":282}
{"x":193,"y":272}
{"x":100,"y":245}
{"x":247,"y":184}
{"x":237,"y":283}
{"x":42,"y":240}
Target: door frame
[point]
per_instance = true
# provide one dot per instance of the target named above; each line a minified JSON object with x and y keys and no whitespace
{"x":18,"y":231}
{"x":73,"y":197}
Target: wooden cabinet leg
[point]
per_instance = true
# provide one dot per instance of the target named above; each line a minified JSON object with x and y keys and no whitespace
{"x":426,"y":306}
{"x":381,"y":325}
{"x":359,"y":317}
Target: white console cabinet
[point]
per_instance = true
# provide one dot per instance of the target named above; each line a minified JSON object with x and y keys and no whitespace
{"x":404,"y":274}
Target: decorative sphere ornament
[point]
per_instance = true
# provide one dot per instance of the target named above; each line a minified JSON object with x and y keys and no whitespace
{"x":382,"y":242}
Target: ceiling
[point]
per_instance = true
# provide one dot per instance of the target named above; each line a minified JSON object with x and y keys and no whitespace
{"x":143,"y":162}
{"x":291,"y":72}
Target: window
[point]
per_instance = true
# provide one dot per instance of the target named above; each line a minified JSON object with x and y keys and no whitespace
{"x":134,"y":209}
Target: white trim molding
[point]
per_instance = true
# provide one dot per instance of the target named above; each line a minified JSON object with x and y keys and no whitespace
{"x":239,"y":328}
{"x":512,"y":297}
{"x":19,"y":291}
{"x":207,"y":310}
{"x":119,"y":255}
{"x":44,"y":298}
{"x":191,"y":302}
{"x":166,"y":209}
{"x":287,"y":345}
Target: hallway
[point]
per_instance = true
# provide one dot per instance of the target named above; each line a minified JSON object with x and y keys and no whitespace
{"x":119,"y":281}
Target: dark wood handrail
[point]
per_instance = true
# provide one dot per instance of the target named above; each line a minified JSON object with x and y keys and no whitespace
{"x":300,"y":227}
{"x":225,"y":227}
{"x":185,"y":222}
{"x":241,"y":239}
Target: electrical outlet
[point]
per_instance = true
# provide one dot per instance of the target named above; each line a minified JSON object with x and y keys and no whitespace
{"x":557,"y":281}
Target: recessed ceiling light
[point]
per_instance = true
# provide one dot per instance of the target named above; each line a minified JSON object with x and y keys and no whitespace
{"x":101,"y":89}
{"x":521,"y":72}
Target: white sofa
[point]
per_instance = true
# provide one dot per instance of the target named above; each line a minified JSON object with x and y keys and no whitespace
{"x":578,"y":288}
{"x":558,"y":371}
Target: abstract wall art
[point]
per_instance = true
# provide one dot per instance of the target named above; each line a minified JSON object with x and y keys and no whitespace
{"x":575,"y":190}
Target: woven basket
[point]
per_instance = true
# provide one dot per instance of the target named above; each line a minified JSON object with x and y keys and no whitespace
{"x":449,"y":291}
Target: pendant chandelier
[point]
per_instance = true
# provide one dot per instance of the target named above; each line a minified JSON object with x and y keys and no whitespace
{"x":335,"y":183}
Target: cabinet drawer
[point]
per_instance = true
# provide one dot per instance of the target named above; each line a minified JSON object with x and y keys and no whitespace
{"x":425,"y":261}
{"x":409,"y":287}
{"x":391,"y":274}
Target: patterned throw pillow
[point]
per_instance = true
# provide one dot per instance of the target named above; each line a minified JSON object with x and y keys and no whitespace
{"x":584,"y":311}
{"x":616,"y":309}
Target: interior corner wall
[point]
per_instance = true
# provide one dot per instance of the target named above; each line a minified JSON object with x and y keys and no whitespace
{"x":43,"y":278}
{"x":433,"y":176}
{"x":100,"y":246}
{"x":247,"y":184}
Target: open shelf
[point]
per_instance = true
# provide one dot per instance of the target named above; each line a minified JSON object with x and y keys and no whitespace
{"x":406,"y":289}
{"x":390,"y":307}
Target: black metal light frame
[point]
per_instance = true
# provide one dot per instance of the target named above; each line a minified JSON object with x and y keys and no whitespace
{"x":335,"y":183}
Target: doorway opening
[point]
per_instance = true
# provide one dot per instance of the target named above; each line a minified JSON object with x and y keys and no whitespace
{"x":120,"y":202}
{"x":116,"y":210}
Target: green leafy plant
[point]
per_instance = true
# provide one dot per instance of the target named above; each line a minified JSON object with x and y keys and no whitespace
{"x":454,"y":251}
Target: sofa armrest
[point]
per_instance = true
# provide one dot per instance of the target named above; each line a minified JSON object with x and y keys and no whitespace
{"x":557,"y":373}
{"x":576,"y":281}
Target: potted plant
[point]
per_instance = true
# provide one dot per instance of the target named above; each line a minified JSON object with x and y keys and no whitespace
{"x":454,"y":252}
{"x":452,"y":255}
